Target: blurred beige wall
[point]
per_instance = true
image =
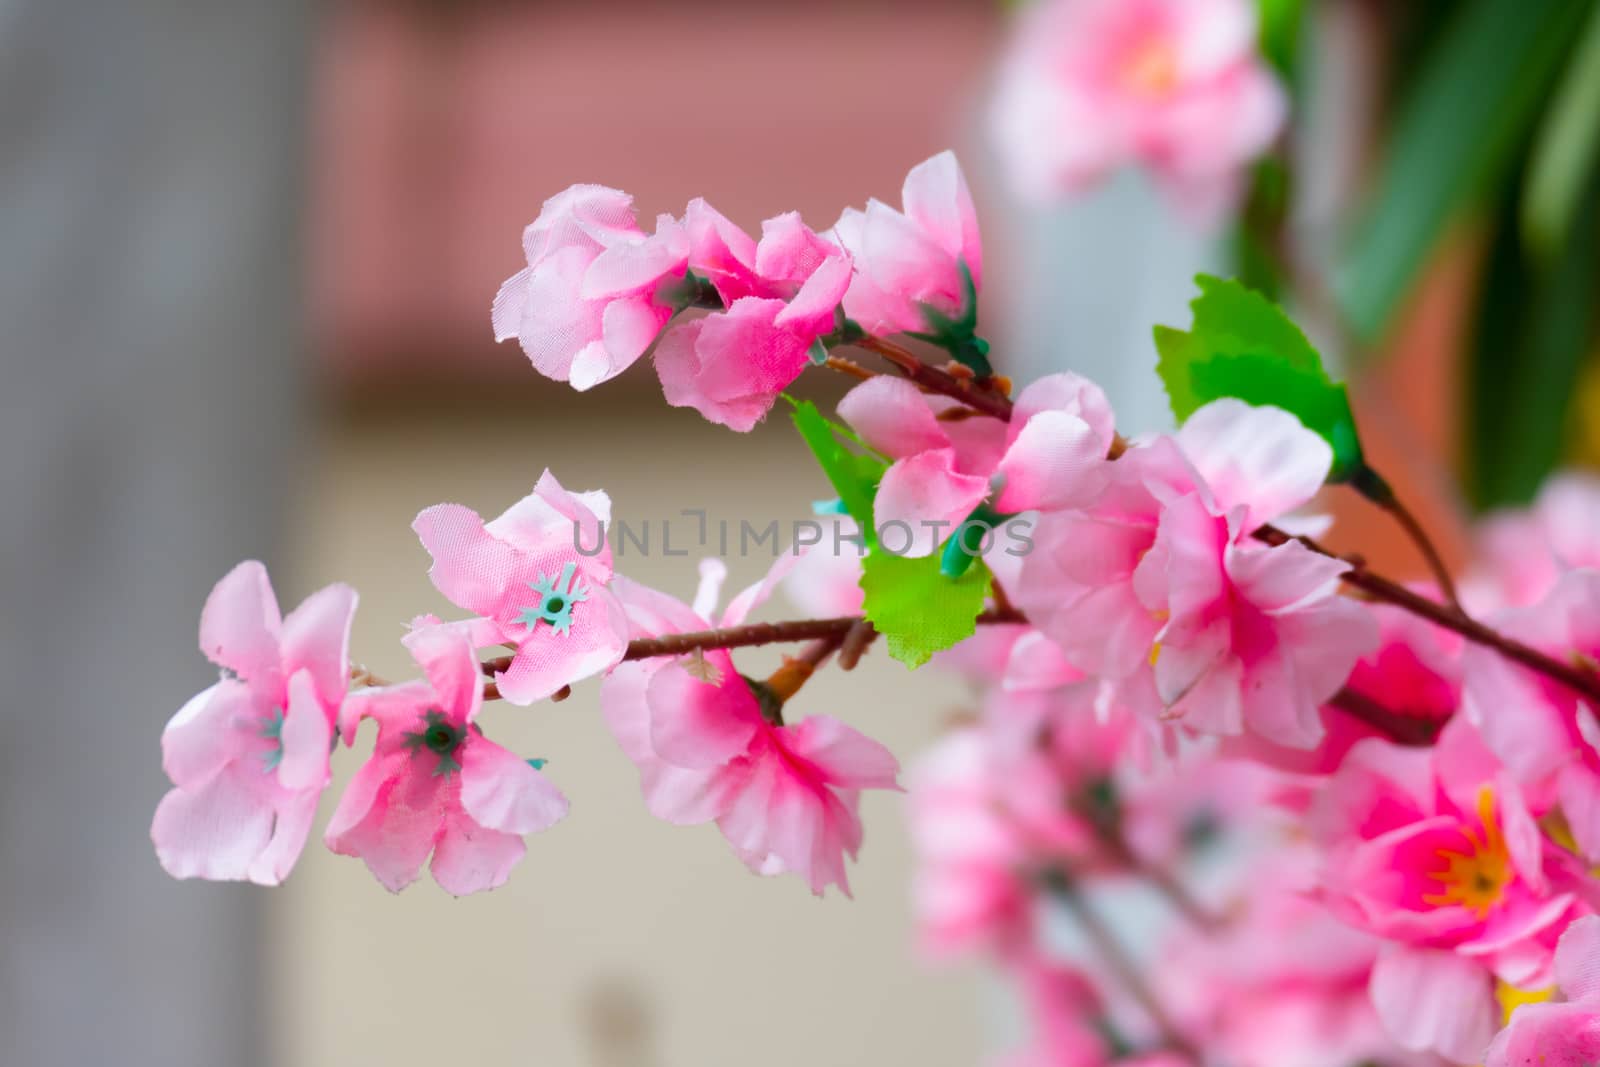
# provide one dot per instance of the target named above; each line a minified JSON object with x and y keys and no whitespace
{"x":621,"y":941}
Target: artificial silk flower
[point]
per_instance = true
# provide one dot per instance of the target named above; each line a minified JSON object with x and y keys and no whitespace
{"x":248,"y":757}
{"x":781,"y":297}
{"x":1175,"y":86}
{"x":1282,"y":983}
{"x":1435,"y":851}
{"x":927,"y":259}
{"x":1254,"y":638}
{"x":537,"y":576}
{"x":709,"y":748}
{"x":1077,"y":584}
{"x":1526,"y":552}
{"x":434,"y":784}
{"x":1050,"y":456}
{"x":597,"y":289}
{"x":1547,"y":737}
{"x":971,"y":890}
{"x":1564,"y":1033}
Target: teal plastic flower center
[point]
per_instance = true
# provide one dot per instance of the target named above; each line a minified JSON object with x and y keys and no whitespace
{"x":441,"y":737}
{"x":272,"y":731}
{"x":557,"y":598}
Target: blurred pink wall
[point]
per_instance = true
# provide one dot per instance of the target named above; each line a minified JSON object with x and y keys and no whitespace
{"x":441,"y":128}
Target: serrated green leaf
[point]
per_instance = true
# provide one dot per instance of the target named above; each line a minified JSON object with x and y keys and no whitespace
{"x":917,"y":609}
{"x":1243,"y":345}
{"x":853,"y":475}
{"x":1454,"y":140}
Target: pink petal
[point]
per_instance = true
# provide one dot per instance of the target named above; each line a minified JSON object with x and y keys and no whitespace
{"x":450,"y":663}
{"x":306,"y":737}
{"x":469,"y":566}
{"x":629,"y":266}
{"x":790,"y":251}
{"x":390,"y":816}
{"x":756,"y":593}
{"x":892,"y":417}
{"x":471,"y":859}
{"x":547,"y":661}
{"x":935,"y":196}
{"x":295,"y":813}
{"x":1259,"y":458}
{"x":217,"y":831}
{"x":927,"y":497}
{"x":680,"y":796}
{"x":316,"y":636}
{"x":652,"y":613}
{"x":240,"y":626}
{"x":696,"y":724}
{"x":1284,"y":576}
{"x":1578,"y":959}
{"x":722,"y":252}
{"x":811,"y":312}
{"x":1578,"y":793}
{"x":1056,"y":462}
{"x":502,"y":791}
{"x":205,"y":733}
{"x":391,"y":706}
{"x":506,"y":313}
{"x":845,"y":756}
{"x":1434,"y":1000}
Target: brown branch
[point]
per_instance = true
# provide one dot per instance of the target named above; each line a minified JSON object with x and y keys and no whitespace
{"x":969,"y":391}
{"x":1413,"y":730}
{"x":1430,"y":554}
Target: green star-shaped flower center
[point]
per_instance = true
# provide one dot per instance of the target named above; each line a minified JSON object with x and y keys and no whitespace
{"x":439,"y":736}
{"x":557,"y":598}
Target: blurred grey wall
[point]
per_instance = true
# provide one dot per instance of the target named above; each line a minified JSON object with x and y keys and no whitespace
{"x":150,"y":164}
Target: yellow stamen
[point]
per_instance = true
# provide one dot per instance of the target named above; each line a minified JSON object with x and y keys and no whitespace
{"x":1511,"y":998}
{"x":1152,"y":68}
{"x":1475,"y":880}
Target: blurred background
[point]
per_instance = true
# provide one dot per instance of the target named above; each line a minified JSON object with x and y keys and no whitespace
{"x":247,"y":254}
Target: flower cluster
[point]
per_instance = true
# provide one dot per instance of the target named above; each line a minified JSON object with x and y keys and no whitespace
{"x":1390,"y":806}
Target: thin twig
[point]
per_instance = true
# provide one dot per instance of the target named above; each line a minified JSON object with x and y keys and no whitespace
{"x":1419,"y":537}
{"x":1121,"y":965}
{"x":969,"y":392}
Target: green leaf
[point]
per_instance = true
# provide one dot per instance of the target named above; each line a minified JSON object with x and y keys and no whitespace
{"x":853,"y":475}
{"x":1567,"y":149}
{"x":1470,"y":107}
{"x":1280,"y":34}
{"x":1536,"y":323}
{"x":917,"y":609}
{"x":1242,"y":345}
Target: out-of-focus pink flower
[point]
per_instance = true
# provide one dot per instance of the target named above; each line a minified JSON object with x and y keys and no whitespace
{"x":1050,"y":456}
{"x":1255,"y":638}
{"x":707,"y":748}
{"x":1435,"y":851}
{"x":248,"y":757}
{"x":1283,"y":984}
{"x":971,"y":889}
{"x":1564,"y":1034}
{"x":1548,"y":739}
{"x":920,"y":260}
{"x":596,"y":290}
{"x":1176,"y":86}
{"x":537,"y":575}
{"x":781,"y":296}
{"x":1068,"y":1019}
{"x":826,"y":582}
{"x":434,"y":784}
{"x":1526,"y":552}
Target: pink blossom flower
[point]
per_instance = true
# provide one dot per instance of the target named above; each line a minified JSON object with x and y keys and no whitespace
{"x":1564,"y":1034}
{"x":710,"y":748}
{"x":1255,"y":638}
{"x":971,"y":889}
{"x":1050,"y":456}
{"x":1068,"y":1018}
{"x":825,"y":583}
{"x":1435,"y":851}
{"x":1077,"y":584}
{"x":1173,"y":85}
{"x":249,"y":756}
{"x":929,"y":258}
{"x":1548,"y":739}
{"x":434,"y":784}
{"x":782,"y":296}
{"x":1526,"y":552}
{"x":537,"y":576}
{"x":1282,"y":984}
{"x":596,"y":290}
